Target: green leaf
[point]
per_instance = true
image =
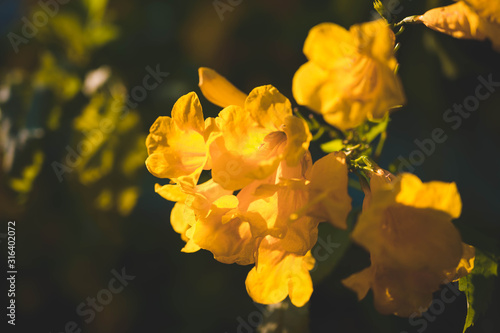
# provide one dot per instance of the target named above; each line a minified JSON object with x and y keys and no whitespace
{"x":376,"y":129}
{"x":478,"y":286}
{"x":331,"y":146}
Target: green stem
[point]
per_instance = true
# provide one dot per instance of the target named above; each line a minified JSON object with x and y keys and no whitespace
{"x":414,"y":19}
{"x":318,"y":134}
{"x":380,"y":145}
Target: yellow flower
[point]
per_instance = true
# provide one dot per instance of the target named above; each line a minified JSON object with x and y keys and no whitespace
{"x":178,"y":145}
{"x":283,"y":261}
{"x":469,"y":19}
{"x":254,"y":139}
{"x":282,"y":255}
{"x":269,"y":205}
{"x":350,"y":75}
{"x":227,"y":236}
{"x":190,"y":202}
{"x":414,"y":247}
{"x":256,"y":131}
{"x":278,"y":273}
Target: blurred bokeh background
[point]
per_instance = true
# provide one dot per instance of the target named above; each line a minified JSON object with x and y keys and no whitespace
{"x":75,"y":109}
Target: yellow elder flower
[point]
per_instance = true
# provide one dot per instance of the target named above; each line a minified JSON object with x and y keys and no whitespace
{"x":269,"y":205}
{"x":350,"y":75}
{"x":247,"y":147}
{"x":251,"y":130}
{"x":414,"y":247}
{"x":469,"y":19}
{"x":190,"y":202}
{"x":282,"y":258}
{"x":278,"y":274}
{"x":282,"y":268}
{"x":178,"y":145}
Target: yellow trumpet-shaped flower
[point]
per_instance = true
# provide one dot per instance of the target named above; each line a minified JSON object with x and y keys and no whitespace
{"x":414,"y":247}
{"x":190,"y":203}
{"x":223,"y":233}
{"x":350,"y":75}
{"x":278,"y":274}
{"x":307,"y":195}
{"x":269,"y":205}
{"x":255,"y":138}
{"x":469,"y":19}
{"x":282,"y":258}
{"x":178,"y":145}
{"x":257,"y":131}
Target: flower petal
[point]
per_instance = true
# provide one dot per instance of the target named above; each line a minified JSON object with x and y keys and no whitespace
{"x":218,"y":90}
{"x":375,"y":36}
{"x":488,"y":9}
{"x":187,"y":113}
{"x":329,"y":45}
{"x":315,"y":88}
{"x":436,"y":195}
{"x":176,"y":146}
{"x":268,"y":107}
{"x":457,"y":20}
{"x":185,"y":158}
{"x":328,"y":190}
{"x":171,"y":192}
{"x":360,"y":282}
{"x":229,"y":242}
{"x":181,"y":219}
{"x":298,"y":138}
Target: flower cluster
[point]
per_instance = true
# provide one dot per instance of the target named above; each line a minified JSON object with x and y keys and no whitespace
{"x":256,"y":147}
{"x":265,"y":198}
